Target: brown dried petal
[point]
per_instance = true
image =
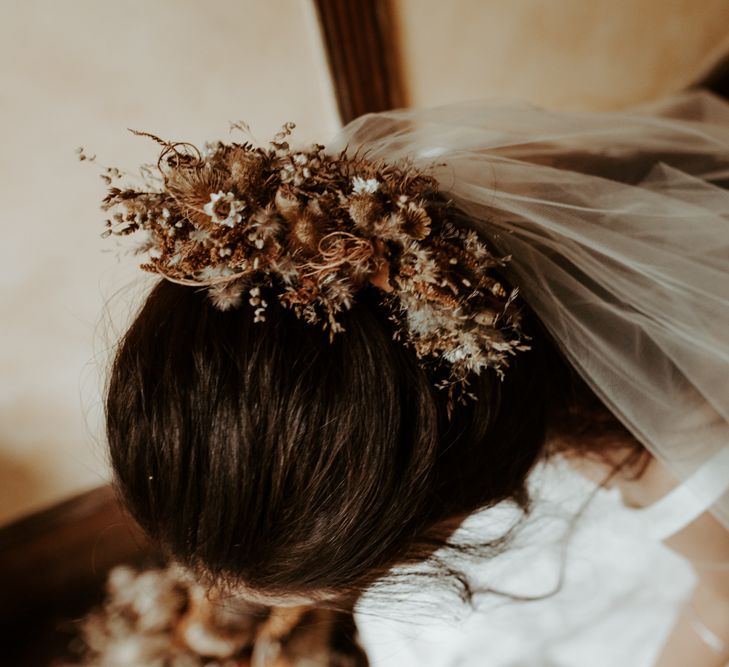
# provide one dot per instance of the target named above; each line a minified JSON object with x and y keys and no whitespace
{"x":415,"y":222}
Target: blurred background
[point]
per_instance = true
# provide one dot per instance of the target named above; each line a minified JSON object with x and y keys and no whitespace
{"x":80,"y":72}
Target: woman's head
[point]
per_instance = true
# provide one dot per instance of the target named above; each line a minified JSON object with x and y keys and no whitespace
{"x":263,"y":453}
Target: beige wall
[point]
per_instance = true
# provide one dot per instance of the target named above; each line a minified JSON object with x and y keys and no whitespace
{"x":558,"y":53}
{"x":80,"y":72}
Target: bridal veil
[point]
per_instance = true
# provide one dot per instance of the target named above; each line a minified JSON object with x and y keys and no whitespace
{"x":617,"y":224}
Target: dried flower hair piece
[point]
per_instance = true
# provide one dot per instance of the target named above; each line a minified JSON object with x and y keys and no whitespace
{"x":311,"y":229}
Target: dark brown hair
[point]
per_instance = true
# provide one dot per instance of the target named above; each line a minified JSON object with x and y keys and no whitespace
{"x":262,"y":453}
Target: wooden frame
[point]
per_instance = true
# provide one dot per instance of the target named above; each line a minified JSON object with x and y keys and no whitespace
{"x":359,"y":38}
{"x":53,"y":564}
{"x":718,"y":79}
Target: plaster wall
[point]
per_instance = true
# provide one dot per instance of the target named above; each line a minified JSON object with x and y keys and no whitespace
{"x":562,"y":54}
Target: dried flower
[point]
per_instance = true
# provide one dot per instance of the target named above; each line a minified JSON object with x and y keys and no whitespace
{"x":224,"y":209}
{"x":364,"y":186}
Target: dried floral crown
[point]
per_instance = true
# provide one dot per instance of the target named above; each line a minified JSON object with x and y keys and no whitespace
{"x":311,"y":229}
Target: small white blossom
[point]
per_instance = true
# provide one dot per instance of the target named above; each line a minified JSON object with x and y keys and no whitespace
{"x":421,"y":319}
{"x":256,"y":239}
{"x":455,"y":355}
{"x":234,"y":208}
{"x":198,"y":235}
{"x":209,"y":149}
{"x":209,"y":272}
{"x":361,"y":185}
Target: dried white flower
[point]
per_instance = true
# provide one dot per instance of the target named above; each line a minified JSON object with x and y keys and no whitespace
{"x":455,"y":355}
{"x":224,"y":209}
{"x":211,"y":272}
{"x":365,"y":186}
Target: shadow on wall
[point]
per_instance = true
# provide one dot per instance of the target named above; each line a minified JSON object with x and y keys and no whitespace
{"x":21,"y":479}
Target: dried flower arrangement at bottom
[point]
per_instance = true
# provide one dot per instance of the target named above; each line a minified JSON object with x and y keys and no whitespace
{"x":163,"y":618}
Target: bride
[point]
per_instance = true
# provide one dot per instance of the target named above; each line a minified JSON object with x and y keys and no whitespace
{"x":352,"y":349}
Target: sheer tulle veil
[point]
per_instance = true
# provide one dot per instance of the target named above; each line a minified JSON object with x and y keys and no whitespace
{"x":617,"y":224}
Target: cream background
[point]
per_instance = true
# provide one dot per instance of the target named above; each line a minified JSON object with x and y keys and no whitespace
{"x":80,"y":72}
{"x":576,"y":54}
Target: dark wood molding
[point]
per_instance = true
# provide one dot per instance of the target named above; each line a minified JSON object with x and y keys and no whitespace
{"x":360,"y":42}
{"x":53,"y":565}
{"x":64,"y":550}
{"x":718,"y":80}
